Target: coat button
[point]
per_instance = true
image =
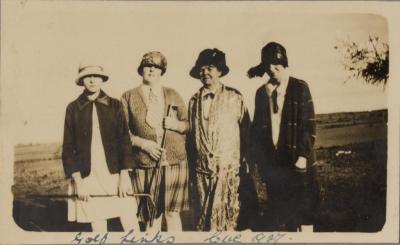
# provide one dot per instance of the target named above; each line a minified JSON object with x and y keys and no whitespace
{"x":211,"y":155}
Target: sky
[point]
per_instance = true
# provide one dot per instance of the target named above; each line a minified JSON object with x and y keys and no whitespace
{"x":44,"y":42}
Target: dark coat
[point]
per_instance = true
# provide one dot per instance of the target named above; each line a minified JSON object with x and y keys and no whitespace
{"x":76,"y":154}
{"x":292,"y":194}
{"x":297,"y":130}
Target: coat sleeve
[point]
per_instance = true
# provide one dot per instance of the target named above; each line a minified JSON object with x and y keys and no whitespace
{"x":182,"y":110}
{"x":182,"y":113}
{"x":255,"y":153}
{"x":190,"y":141}
{"x":244,"y":124}
{"x":124,"y":140}
{"x":69,"y":152}
{"x":256,"y":125}
{"x":306,"y":123}
{"x":125,"y":107}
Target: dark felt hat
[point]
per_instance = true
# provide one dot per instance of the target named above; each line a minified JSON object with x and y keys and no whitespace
{"x":213,"y":57}
{"x":272,"y":53}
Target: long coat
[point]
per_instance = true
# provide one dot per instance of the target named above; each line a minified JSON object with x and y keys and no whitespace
{"x":216,"y":151}
{"x":296,"y":138}
{"x":76,"y":149}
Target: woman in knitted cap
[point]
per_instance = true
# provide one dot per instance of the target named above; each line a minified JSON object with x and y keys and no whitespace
{"x":96,"y":156}
{"x":146,"y":109}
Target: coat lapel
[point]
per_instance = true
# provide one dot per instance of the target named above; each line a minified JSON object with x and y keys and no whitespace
{"x":139,"y":90}
{"x":168,"y":100}
{"x":288,"y":125}
{"x":203,"y":127}
{"x":83,"y":100}
{"x":267,"y":115}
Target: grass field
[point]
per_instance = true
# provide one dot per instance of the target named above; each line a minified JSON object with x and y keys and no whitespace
{"x":351,"y":173}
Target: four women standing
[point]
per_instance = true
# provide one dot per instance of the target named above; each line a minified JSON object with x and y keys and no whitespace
{"x":147,"y":134}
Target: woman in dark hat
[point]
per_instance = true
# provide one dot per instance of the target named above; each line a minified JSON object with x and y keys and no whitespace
{"x":219,"y":122}
{"x":96,"y":156}
{"x":146,"y":110}
{"x":283,"y":135}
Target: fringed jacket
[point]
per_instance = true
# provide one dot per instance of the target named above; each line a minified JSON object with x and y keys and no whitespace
{"x":223,"y":142}
{"x":297,"y":129}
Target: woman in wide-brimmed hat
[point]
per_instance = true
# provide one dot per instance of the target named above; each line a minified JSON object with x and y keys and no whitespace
{"x":219,"y":123}
{"x":146,"y":109}
{"x":96,"y":155}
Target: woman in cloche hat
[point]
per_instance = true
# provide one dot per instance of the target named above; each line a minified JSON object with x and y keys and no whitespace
{"x":151,"y":110}
{"x":96,"y":155}
{"x":283,"y":138}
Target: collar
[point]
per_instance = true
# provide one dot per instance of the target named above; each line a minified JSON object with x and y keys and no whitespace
{"x":206,"y":91}
{"x":93,"y":97}
{"x":83,"y":100}
{"x":156,"y":89}
{"x":273,"y":85}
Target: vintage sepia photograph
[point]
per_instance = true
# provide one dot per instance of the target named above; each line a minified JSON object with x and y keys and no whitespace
{"x":204,"y":122}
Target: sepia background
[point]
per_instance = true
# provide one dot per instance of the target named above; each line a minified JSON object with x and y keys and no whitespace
{"x":45,"y":43}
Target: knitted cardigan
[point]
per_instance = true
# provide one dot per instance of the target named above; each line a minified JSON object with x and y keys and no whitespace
{"x":135,"y":109}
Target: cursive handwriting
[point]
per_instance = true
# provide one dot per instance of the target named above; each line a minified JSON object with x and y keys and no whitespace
{"x":216,"y":237}
{"x":97,"y":239}
{"x":128,"y":238}
{"x":157,"y":238}
{"x":268,"y":238}
{"x":219,"y":237}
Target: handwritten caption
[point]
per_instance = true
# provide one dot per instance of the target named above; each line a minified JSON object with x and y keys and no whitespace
{"x":222,"y":237}
{"x":129,"y":238}
{"x":143,"y":237}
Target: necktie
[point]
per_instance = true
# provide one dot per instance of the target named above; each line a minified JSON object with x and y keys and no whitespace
{"x":275,"y":106}
{"x":152,"y":97}
{"x":154,"y":116}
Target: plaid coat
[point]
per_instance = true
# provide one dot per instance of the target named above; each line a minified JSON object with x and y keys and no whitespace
{"x":297,"y":130}
{"x":292,"y":194}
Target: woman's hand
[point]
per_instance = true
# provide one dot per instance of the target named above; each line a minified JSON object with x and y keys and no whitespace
{"x":301,"y":163}
{"x":125,"y":184}
{"x":174,"y":124}
{"x":81,"y":188}
{"x":153,"y":149}
{"x":170,"y":123}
